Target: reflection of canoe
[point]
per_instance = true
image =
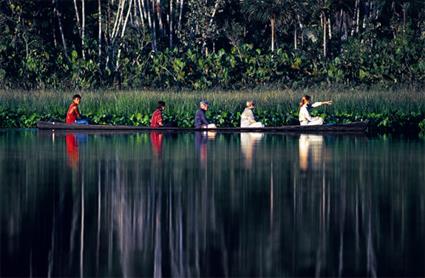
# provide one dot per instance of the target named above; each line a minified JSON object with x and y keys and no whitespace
{"x":350,"y":127}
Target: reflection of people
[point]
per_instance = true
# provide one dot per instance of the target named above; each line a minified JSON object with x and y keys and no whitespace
{"x":310,"y":147}
{"x":247,"y":116}
{"x":156,"y":120}
{"x":201,"y":140}
{"x":72,"y":149}
{"x":248,"y":142}
{"x":73,"y":115}
{"x":305,"y":107}
{"x":201,"y":120}
{"x":156,"y":142}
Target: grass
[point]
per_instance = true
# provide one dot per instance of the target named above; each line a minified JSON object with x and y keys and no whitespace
{"x":274,"y":107}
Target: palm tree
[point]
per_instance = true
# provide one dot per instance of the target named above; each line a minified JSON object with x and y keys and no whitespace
{"x":266,"y":11}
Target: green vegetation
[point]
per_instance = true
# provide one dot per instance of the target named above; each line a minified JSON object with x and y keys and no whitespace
{"x":191,"y":44}
{"x":387,"y":111}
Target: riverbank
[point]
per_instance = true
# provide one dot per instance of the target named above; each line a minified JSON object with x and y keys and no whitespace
{"x":387,"y":111}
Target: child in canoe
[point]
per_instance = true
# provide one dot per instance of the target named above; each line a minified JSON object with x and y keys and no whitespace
{"x":73,"y":115}
{"x":305,"y":107}
{"x":247,"y":116}
{"x":156,"y":120}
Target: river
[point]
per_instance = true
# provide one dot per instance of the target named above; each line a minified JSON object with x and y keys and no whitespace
{"x":210,"y":204}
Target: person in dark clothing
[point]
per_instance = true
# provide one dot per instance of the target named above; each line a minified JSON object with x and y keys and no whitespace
{"x":201,"y":120}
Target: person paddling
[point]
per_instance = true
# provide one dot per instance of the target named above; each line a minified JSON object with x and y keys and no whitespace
{"x":73,"y":115}
{"x":201,"y":120}
{"x":305,"y":107}
{"x":247,"y":116}
{"x":156,"y":119}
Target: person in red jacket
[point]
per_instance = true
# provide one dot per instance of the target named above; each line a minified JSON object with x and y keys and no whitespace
{"x":73,"y":115}
{"x":156,"y":120}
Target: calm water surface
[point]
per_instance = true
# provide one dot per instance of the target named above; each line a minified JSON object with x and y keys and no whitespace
{"x":186,"y":204}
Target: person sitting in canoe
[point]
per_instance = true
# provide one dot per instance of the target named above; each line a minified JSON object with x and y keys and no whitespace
{"x":201,"y":120}
{"x":156,"y":120}
{"x":247,"y":116}
{"x":305,"y":107}
{"x":73,"y":115}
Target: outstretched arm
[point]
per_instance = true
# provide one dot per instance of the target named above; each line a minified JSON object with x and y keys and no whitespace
{"x":317,"y":104}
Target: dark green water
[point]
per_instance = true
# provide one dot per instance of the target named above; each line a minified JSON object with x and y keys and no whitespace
{"x":210,"y":205}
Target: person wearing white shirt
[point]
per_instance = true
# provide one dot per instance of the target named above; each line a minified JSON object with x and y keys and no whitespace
{"x":305,"y":107}
{"x":247,"y":116}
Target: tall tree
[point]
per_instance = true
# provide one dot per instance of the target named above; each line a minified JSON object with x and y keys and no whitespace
{"x":266,"y":11}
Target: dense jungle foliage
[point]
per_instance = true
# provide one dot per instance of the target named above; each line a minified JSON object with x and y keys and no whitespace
{"x":200,"y":44}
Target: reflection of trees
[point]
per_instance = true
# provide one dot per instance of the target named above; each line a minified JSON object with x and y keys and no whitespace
{"x":356,"y":215}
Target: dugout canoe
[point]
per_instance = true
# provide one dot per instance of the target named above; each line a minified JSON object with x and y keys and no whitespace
{"x":349,"y":127}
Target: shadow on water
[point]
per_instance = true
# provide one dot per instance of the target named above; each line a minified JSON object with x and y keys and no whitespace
{"x":210,"y":204}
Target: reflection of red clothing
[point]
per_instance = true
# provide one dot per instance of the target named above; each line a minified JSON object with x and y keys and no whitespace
{"x":72,"y":114}
{"x":72,"y":149}
{"x":156,"y":120}
{"x":156,"y":141}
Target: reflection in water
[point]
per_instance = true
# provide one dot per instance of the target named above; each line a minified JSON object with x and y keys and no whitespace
{"x":72,"y":149}
{"x":362,"y":214}
{"x":201,"y":140}
{"x":156,"y":142}
{"x":73,"y":140}
{"x":310,"y":151}
{"x":248,"y":142}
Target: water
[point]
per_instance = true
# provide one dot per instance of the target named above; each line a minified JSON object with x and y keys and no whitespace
{"x":185,"y":204}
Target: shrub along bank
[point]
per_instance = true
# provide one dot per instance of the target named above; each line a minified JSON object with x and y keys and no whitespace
{"x":401,"y":111}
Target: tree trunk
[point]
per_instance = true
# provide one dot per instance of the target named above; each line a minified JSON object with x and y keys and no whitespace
{"x":146,"y":10}
{"x":295,"y":38}
{"x":134,"y":15}
{"x":329,"y":28}
{"x":59,"y":17}
{"x":100,"y":33}
{"x":324,"y":24}
{"x":152,"y":10}
{"x":358,"y":17}
{"x":204,"y":35}
{"x":404,"y":17}
{"x":53,"y":23}
{"x":340,"y":23}
{"x":77,"y":15}
{"x":80,"y":29}
{"x":302,"y":30}
{"x":354,"y":27}
{"x":83,"y":28}
{"x":159,"y":17}
{"x":272,"y":24}
{"x":118,"y":19}
{"x":107,"y":32}
{"x":171,"y":25}
{"x":117,"y":65}
{"x":142,"y":13}
{"x":179,"y":26}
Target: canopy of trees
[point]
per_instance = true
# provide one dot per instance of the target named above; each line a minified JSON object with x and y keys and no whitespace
{"x":210,"y":43}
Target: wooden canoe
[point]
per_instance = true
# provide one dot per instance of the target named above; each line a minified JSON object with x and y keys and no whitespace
{"x":349,"y":127}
